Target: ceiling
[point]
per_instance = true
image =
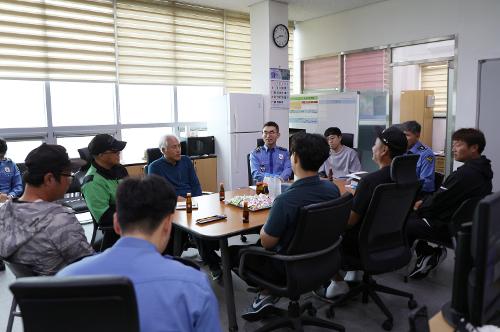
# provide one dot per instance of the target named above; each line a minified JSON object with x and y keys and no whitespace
{"x":298,"y":10}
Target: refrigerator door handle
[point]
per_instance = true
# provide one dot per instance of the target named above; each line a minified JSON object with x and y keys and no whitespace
{"x":234,"y":123}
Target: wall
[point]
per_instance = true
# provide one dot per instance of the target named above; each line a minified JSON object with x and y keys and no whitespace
{"x":475,"y":23}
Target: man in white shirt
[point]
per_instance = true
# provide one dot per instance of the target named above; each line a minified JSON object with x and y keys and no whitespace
{"x":342,"y":160}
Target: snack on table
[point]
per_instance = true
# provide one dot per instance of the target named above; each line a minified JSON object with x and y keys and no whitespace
{"x":255,"y":202}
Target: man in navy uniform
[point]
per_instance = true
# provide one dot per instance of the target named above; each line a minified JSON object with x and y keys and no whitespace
{"x":270,"y":158}
{"x":426,"y":161}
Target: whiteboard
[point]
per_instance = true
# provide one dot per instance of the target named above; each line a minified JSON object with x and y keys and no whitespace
{"x":488,"y":119}
{"x":316,"y":112}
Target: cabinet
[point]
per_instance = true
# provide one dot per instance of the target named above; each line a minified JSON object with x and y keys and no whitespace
{"x":417,"y":105}
{"x":206,"y":170}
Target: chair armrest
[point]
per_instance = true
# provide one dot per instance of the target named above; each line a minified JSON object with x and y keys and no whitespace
{"x":259,"y":251}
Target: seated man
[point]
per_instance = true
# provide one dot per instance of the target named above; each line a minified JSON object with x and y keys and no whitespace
{"x":11,"y":184}
{"x":100,"y":183}
{"x":34,"y":231}
{"x":472,"y":179}
{"x":426,"y":161}
{"x":308,"y":152}
{"x":342,"y":160}
{"x":176,"y":168}
{"x":179,"y":171}
{"x":170,"y":296}
{"x":270,"y":158}
{"x":389,"y":144}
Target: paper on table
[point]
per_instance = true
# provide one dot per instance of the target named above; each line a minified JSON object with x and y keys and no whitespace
{"x":356,"y":175}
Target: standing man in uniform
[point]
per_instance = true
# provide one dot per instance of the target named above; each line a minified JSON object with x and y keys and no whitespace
{"x":426,"y":162}
{"x":270,"y":158}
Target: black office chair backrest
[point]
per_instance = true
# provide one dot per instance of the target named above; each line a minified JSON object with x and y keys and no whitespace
{"x":319,"y":226}
{"x":89,"y":303}
{"x":260,"y":142}
{"x":464,"y":214}
{"x":404,"y":168}
{"x":348,"y":140}
{"x":84,"y":154}
{"x":382,"y":242}
{"x":152,"y":154}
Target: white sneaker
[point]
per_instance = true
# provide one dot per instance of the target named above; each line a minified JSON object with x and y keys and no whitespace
{"x":354,"y":276}
{"x":336,"y":289}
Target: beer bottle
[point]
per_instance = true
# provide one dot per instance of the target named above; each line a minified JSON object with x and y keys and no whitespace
{"x":189,"y":203}
{"x":330,"y":175}
{"x":222,"y":192}
{"x":246,"y":212}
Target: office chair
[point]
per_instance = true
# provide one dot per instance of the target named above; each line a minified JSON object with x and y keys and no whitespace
{"x":19,"y":271}
{"x":77,"y":304}
{"x":312,"y":258}
{"x":73,"y":197}
{"x":348,"y":140}
{"x":438,"y":180}
{"x":84,"y":153}
{"x":405,"y":168}
{"x":249,"y":171}
{"x":383,"y":246}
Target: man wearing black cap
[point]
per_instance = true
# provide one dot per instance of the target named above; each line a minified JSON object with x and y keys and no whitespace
{"x":389,"y":144}
{"x":100,"y":182}
{"x":34,"y":231}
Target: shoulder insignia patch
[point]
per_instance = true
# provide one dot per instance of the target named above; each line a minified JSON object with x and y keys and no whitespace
{"x":421,"y":147}
{"x":429,"y":159}
{"x":257,"y":149}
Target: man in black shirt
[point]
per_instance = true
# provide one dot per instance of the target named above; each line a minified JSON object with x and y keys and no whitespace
{"x":433,"y":214}
{"x":389,"y":144}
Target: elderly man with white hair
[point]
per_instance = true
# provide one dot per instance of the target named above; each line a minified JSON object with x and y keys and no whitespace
{"x":176,"y":168}
{"x":179,"y":171}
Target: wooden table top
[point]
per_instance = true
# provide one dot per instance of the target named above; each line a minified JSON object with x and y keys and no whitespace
{"x":209,"y":205}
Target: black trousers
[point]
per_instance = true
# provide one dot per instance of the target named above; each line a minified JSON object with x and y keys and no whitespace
{"x":419,"y":229}
{"x":264,"y":267}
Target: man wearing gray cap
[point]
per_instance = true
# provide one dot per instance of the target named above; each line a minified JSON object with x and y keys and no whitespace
{"x":34,"y":231}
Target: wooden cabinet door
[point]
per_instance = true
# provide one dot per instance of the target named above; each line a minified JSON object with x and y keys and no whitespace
{"x":206,"y":170}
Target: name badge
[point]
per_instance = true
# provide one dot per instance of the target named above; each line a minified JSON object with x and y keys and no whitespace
{"x":281,"y":156}
{"x":7,"y":169}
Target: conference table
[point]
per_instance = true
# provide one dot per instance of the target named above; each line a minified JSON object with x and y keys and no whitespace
{"x":209,"y":205}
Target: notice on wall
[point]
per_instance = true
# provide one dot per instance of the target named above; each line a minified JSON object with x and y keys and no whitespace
{"x":304,"y":113}
{"x":280,"y":88}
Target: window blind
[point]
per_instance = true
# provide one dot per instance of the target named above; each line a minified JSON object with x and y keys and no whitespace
{"x":435,"y":77}
{"x":322,"y":73}
{"x":366,"y":70}
{"x":238,"y":62}
{"x":169,"y":43}
{"x":291,"y":29}
{"x":57,"y":39}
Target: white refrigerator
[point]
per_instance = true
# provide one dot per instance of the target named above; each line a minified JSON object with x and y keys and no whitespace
{"x":236,"y":121}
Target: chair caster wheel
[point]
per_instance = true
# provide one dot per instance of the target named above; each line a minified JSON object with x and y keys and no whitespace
{"x":330,"y":313}
{"x":312,"y":312}
{"x":387,"y":325}
{"x":412,"y":304}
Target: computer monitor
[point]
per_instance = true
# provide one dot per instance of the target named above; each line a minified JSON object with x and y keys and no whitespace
{"x":476,"y":278}
{"x":484,"y":277}
{"x":199,"y":146}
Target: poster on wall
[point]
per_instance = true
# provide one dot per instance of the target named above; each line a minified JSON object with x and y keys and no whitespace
{"x":280,"y":88}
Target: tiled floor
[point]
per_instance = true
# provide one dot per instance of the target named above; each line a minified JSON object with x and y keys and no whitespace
{"x":355,"y":316}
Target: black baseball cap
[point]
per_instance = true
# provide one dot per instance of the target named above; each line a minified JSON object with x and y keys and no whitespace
{"x":395,"y":139}
{"x":105,"y":142}
{"x":48,"y":158}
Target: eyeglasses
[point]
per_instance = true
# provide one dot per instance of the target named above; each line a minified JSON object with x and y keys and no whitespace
{"x":70,"y":174}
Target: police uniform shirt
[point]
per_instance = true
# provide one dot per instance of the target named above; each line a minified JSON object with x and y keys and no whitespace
{"x":425,"y":165}
{"x":270,"y":160}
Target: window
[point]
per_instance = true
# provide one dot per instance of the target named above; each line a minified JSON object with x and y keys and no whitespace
{"x":321,"y":73}
{"x":72,"y":144}
{"x":191,"y":102}
{"x":22,"y":104}
{"x":140,"y":139}
{"x":146,"y":103}
{"x":80,"y":104}
{"x":18,"y":150}
{"x":366,"y":70}
{"x":435,"y":77}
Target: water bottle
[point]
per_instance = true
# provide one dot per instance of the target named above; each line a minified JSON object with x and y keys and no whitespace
{"x":278,"y":185}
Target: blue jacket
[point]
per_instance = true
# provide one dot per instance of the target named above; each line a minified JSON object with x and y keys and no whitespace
{"x":10,"y":178}
{"x":425,"y":165}
{"x":170,"y":296}
{"x":273,"y":161}
{"x":181,"y":175}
